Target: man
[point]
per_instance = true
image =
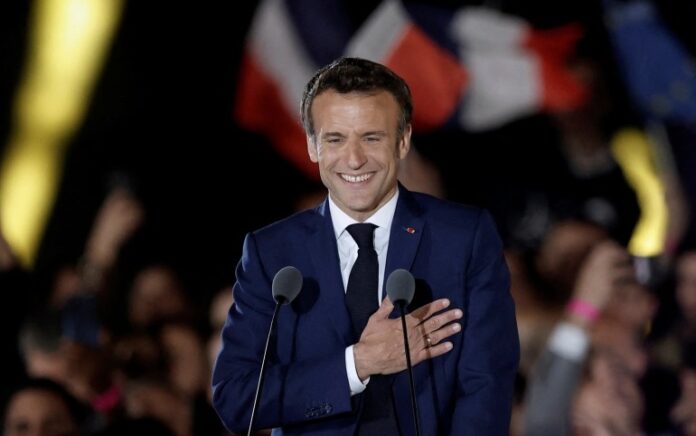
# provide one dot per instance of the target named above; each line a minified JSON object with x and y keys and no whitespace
{"x":337,"y":364}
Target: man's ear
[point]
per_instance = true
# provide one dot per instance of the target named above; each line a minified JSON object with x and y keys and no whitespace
{"x":312,"y":149}
{"x":404,"y":144}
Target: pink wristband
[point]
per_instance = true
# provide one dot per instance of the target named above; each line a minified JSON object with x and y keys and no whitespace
{"x":107,"y":400}
{"x":583,"y":309}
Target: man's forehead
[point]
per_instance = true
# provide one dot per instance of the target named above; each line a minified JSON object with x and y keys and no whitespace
{"x":332,"y":92}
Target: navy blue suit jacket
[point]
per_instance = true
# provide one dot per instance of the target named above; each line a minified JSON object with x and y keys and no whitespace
{"x":453,"y":251}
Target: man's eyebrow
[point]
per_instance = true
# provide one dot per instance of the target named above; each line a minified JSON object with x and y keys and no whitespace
{"x":333,"y":134}
{"x":375,"y":133}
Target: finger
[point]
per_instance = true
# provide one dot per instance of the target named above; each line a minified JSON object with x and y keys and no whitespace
{"x":435,"y":322}
{"x":384,"y":309}
{"x":432,"y":352}
{"x":443,"y":333}
{"x":429,"y":309}
{"x":623,"y":281}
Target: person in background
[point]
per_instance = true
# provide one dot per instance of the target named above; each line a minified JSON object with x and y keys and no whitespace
{"x":43,"y":407}
{"x":558,"y":373}
{"x":157,"y":295}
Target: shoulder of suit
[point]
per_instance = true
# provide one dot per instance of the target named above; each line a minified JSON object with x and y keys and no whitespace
{"x":445,"y":210}
{"x":297,"y":223}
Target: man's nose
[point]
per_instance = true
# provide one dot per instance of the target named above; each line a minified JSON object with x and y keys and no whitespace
{"x":356,"y":154}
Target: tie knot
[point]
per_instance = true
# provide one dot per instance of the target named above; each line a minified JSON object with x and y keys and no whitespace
{"x":362,"y":234}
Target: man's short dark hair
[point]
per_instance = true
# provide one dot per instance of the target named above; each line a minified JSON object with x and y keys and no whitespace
{"x":346,"y":75}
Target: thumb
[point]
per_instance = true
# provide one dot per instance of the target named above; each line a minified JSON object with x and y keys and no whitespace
{"x":384,"y":309}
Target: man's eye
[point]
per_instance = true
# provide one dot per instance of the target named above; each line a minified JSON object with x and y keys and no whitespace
{"x":372,"y":138}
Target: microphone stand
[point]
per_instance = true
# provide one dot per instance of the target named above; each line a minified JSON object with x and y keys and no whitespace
{"x":414,"y":405}
{"x":259,"y":387}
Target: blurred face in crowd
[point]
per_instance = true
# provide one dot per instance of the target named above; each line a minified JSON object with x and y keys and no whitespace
{"x":156,"y":295}
{"x":621,"y":345}
{"x":149,"y":398}
{"x":563,"y":251}
{"x":43,"y":364}
{"x":219,"y":308}
{"x":188,"y":369}
{"x":610,"y":401}
{"x":686,"y":285}
{"x":633,"y":305}
{"x":358,"y":148}
{"x":37,"y":412}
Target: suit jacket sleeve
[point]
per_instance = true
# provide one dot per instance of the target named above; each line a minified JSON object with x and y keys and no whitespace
{"x":294,"y":391}
{"x":489,"y":355}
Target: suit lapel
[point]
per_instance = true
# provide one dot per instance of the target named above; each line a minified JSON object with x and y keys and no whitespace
{"x":404,"y":238}
{"x":324,"y":253}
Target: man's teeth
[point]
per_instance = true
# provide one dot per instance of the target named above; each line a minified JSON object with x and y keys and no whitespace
{"x":356,"y":179}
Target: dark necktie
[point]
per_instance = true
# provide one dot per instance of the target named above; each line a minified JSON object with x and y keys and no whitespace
{"x":377,"y":417}
{"x":361,"y":292}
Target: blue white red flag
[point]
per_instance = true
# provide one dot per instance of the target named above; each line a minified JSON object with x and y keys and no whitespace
{"x":474,"y":69}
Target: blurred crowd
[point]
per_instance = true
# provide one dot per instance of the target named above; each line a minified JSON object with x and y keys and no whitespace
{"x":604,"y":351}
{"x":89,"y":360}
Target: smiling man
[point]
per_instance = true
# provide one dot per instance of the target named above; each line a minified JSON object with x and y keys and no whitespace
{"x":337,"y":364}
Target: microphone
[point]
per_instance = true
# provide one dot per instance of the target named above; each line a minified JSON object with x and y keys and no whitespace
{"x":287,"y":283}
{"x":400,"y":288}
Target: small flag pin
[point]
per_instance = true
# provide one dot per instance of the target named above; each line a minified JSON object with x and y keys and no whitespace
{"x":410,"y":230}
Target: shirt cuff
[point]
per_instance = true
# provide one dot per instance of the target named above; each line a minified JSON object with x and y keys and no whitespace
{"x":569,"y":341}
{"x":356,"y":385}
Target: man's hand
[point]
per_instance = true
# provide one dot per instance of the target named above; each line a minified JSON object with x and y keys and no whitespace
{"x":381,"y":346}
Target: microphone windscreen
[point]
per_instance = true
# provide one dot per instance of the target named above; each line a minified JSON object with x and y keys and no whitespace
{"x":401,"y":286}
{"x":287,"y":283}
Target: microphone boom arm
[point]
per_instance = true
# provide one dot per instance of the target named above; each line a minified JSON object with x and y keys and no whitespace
{"x":414,"y":404}
{"x":259,"y":386}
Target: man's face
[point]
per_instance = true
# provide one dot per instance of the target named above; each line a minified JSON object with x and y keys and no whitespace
{"x":358,"y":148}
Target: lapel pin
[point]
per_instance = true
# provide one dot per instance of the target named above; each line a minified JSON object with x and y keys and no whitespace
{"x":410,"y":230}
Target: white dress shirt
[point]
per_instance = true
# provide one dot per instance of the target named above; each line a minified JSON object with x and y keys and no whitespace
{"x":348,"y":253}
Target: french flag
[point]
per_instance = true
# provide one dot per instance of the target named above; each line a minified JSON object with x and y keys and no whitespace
{"x":274,"y":70}
{"x":515,"y":70}
{"x":436,"y":77}
{"x":477,"y":70}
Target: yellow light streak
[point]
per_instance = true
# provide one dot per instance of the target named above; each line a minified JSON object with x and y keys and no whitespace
{"x":633,"y":151}
{"x":67,"y":46}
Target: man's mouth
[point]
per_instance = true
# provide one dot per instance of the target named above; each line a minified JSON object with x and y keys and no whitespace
{"x":357,"y":178}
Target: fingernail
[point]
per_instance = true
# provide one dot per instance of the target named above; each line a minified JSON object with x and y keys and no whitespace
{"x":445,"y":303}
{"x":448,"y":345}
{"x":456,"y":327}
{"x":458,"y":313}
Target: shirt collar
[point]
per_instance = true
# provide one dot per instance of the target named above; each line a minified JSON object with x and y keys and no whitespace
{"x":382,"y":218}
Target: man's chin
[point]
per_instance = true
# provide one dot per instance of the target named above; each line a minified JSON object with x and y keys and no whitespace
{"x":360,"y":206}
